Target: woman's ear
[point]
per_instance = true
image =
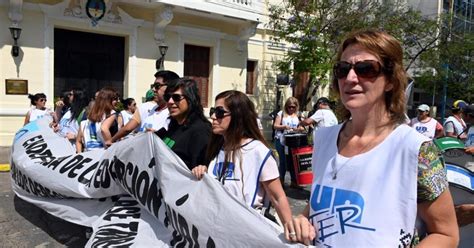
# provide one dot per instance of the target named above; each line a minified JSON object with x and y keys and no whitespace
{"x":388,"y":87}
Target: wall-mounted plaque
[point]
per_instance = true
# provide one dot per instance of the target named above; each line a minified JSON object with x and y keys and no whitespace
{"x":16,"y":86}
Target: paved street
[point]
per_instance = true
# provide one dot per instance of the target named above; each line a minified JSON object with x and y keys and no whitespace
{"x":24,"y":225}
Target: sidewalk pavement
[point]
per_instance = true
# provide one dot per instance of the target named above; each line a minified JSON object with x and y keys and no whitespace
{"x":5,"y":158}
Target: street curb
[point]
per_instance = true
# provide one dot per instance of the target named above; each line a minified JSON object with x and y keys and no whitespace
{"x":4,"y":167}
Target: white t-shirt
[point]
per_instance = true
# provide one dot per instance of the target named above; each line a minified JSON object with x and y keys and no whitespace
{"x":244,"y":178}
{"x":143,"y":111}
{"x":324,"y":118}
{"x":156,"y":120}
{"x":291,"y":121}
{"x":427,"y":128}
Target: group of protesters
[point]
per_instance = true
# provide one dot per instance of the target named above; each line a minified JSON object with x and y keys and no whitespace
{"x":374,"y":177}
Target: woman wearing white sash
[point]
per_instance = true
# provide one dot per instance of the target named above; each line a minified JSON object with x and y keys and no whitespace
{"x":241,"y":159}
{"x":94,"y":133}
{"x":374,"y":177}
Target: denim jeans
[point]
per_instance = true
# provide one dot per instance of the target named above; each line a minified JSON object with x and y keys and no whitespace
{"x":286,"y":162}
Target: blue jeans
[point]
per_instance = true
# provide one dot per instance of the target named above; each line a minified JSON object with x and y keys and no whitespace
{"x":286,"y":162}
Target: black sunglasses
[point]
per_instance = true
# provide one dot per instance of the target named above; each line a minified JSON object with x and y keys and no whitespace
{"x":220,"y":112}
{"x":157,"y":86}
{"x":176,"y":97}
{"x":364,"y":69}
{"x":42,"y":100}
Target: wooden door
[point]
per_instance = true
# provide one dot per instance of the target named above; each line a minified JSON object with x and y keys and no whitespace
{"x":196,"y":66}
{"x":88,"y":61}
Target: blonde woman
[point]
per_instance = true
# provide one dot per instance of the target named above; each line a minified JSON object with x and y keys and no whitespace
{"x":286,"y":121}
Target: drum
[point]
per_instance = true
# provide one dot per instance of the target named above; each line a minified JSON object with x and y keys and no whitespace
{"x":294,"y":140}
{"x":302,"y":157}
{"x":461,"y":185}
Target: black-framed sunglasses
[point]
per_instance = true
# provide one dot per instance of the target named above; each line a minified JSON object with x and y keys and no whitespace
{"x":176,"y":97}
{"x":364,"y":69}
{"x":42,"y":100}
{"x":220,"y":112}
{"x":157,"y":86}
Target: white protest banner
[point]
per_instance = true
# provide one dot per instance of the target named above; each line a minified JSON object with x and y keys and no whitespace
{"x":181,"y":211}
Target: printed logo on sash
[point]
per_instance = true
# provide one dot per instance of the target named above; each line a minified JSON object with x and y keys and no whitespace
{"x":93,"y":142}
{"x":337,"y":211}
{"x":229,"y":171}
{"x":421,"y":129}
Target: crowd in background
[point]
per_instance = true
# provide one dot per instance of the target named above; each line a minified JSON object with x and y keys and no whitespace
{"x":355,"y":155}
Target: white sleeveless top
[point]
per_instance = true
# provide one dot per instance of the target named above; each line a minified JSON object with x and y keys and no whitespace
{"x":244,"y":178}
{"x":126,"y":116}
{"x":373,"y":200}
{"x":458,"y":125}
{"x":92,"y":134}
{"x":39,"y":113}
{"x":428,"y":128}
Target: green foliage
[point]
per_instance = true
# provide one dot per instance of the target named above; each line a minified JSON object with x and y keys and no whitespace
{"x":315,"y":28}
{"x":452,"y":64}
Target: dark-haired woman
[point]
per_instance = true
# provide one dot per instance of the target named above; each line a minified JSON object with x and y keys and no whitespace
{"x":241,"y":159}
{"x":38,"y":101}
{"x":126,"y":114}
{"x":64,"y":103}
{"x":189,"y":130}
{"x":69,"y":122}
{"x":94,"y":133}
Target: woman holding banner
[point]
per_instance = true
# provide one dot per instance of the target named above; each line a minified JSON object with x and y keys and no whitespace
{"x":94,"y":133}
{"x":374,"y":176}
{"x":188,"y":130}
{"x":241,"y":158}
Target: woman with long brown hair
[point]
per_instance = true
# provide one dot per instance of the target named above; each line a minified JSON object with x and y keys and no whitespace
{"x":241,"y":159}
{"x":94,"y":133}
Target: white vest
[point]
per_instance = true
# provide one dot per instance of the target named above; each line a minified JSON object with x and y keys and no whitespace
{"x":126,"y":116}
{"x":458,"y":125}
{"x":373,"y":200}
{"x":257,"y":164}
{"x":92,"y":135}
{"x":39,"y":113}
{"x":428,"y":128}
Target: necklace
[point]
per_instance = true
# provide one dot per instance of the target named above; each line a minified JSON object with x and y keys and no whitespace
{"x":335,"y":170}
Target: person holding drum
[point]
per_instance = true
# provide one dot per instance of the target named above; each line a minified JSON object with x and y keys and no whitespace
{"x":374,"y":176}
{"x":241,"y":159}
{"x":286,"y":121}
